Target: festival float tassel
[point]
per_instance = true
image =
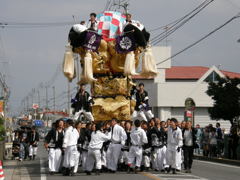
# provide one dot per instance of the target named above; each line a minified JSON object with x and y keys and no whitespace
{"x":149,"y":67}
{"x":88,"y":68}
{"x":129,"y":66}
{"x":68,"y":63}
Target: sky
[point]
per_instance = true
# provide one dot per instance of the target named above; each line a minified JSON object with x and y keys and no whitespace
{"x":30,"y":56}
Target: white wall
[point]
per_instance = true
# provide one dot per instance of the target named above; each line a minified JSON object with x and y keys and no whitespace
{"x":175,"y":94}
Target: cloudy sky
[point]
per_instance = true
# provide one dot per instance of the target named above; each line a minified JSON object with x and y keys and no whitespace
{"x":29,"y":56}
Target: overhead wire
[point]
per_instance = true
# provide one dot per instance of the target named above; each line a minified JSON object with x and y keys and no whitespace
{"x":201,"y":39}
{"x":180,"y":19}
{"x":33,"y":24}
{"x":177,"y":20}
{"x":179,"y":23}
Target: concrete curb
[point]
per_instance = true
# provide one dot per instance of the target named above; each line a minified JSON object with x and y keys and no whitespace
{"x":218,"y":160}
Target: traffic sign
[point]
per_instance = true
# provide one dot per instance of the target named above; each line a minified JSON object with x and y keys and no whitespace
{"x":38,"y":123}
{"x":35,"y":106}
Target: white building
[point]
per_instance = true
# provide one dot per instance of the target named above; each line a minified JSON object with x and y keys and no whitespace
{"x":169,"y":90}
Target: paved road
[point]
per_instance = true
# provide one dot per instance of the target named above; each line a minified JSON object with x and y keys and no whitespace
{"x":202,"y":170}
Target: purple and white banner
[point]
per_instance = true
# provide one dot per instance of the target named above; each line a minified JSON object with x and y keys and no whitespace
{"x":92,"y":41}
{"x":125,"y":44}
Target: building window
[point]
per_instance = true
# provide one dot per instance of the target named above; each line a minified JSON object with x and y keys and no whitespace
{"x":212,"y":77}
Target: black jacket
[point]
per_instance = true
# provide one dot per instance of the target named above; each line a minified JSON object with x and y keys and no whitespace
{"x":157,"y":138}
{"x":31,"y":138}
{"x":55,"y":138}
{"x":85,"y":138}
{"x":141,"y":98}
{"x":82,"y":102}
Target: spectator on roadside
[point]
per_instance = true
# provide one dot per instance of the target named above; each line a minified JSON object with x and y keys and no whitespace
{"x":182,"y":125}
{"x":219,"y":140}
{"x":233,"y":143}
{"x":33,"y":138}
{"x":205,"y":141}
{"x":22,"y":152}
{"x":212,"y":142}
{"x":189,"y":143}
{"x":198,"y":139}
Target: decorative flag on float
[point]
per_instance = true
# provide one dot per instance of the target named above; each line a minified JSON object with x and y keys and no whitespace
{"x":92,"y":41}
{"x":125,"y":44}
{"x":110,"y":24}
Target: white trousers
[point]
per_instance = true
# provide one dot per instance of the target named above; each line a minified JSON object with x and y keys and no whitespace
{"x":124,"y":157}
{"x":54,"y":159}
{"x":70,"y":156}
{"x":159,"y":158}
{"x":94,"y":156}
{"x":113,"y":154}
{"x":135,"y":156}
{"x":146,"y":161}
{"x":142,"y":115}
{"x":172,"y":157}
{"x":76,"y":162}
{"x":104,"y":158}
{"x":32,"y":150}
{"x":179,"y":160}
{"x":84,"y":160}
{"x":88,"y":115}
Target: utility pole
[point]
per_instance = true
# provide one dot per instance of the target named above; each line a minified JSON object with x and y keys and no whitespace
{"x":33,"y":93}
{"x":46,"y":97}
{"x":27,"y":103}
{"x":39,"y":99}
{"x":54,"y":99}
{"x":23,"y":104}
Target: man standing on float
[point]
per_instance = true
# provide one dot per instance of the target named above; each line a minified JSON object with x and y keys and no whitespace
{"x":93,"y":22}
{"x":142,"y":107}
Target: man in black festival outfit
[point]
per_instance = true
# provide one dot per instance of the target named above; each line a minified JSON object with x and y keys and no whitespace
{"x":142,"y":107}
{"x":82,"y":104}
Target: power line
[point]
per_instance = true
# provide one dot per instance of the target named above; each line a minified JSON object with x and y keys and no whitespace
{"x":33,"y":24}
{"x":178,"y":20}
{"x":180,"y":23}
{"x":204,"y":37}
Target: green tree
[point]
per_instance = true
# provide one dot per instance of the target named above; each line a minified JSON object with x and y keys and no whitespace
{"x":2,"y":129}
{"x":225,"y":93}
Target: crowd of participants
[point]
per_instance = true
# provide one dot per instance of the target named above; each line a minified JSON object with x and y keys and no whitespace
{"x":112,"y":146}
{"x":120,"y":146}
{"x":25,"y":143}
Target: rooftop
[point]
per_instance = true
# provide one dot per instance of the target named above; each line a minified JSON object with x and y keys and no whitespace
{"x":189,"y":73}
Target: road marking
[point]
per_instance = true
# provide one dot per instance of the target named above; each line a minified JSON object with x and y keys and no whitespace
{"x":42,"y":170}
{"x":219,"y":164}
{"x":149,"y":175}
{"x":24,"y":174}
{"x":178,"y":176}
